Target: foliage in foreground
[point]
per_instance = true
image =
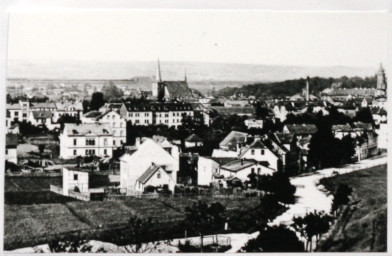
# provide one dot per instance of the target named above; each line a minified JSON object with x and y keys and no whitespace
{"x":275,"y":239}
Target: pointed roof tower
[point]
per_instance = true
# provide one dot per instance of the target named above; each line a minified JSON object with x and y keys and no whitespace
{"x":185,"y":75}
{"x":158,"y":75}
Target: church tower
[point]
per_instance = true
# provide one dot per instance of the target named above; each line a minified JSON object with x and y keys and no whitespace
{"x":381,"y":81}
{"x":157,"y":83}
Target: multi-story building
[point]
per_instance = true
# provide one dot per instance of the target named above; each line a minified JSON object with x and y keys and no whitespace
{"x":85,"y":140}
{"x":116,"y":121}
{"x":170,"y":114}
{"x":67,"y":109}
{"x":17,"y":112}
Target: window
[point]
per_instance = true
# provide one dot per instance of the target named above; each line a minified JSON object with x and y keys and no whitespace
{"x":105,"y":141}
{"x":74,"y":152}
{"x":90,"y":151}
{"x":252,"y":152}
{"x":258,"y":170}
{"x":130,"y":114}
{"x":166,"y":121}
{"x":159,"y":175}
{"x":24,"y":115}
{"x":121,"y":125}
{"x":114,"y":142}
{"x":121,"y":133}
{"x":105,"y":152}
{"x":8,"y":113}
{"x":136,"y":114}
{"x":146,"y":121}
{"x":145,"y":114}
{"x":75,"y":177}
{"x":166,"y":115}
{"x":252,"y":170}
{"x":16,"y":113}
{"x":262,"y":152}
{"x":90,"y":142}
{"x":6,"y":151}
{"x":75,"y":140}
{"x":136,"y":121}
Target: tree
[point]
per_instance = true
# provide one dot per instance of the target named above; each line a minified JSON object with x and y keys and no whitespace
{"x":312,"y":225}
{"x":364,"y":115}
{"x":217,"y":214}
{"x":348,"y":145}
{"x":138,"y":236}
{"x":112,"y":92}
{"x":275,"y":239}
{"x":203,"y":218}
{"x":86,"y":106}
{"x":97,"y":101}
{"x":340,"y":198}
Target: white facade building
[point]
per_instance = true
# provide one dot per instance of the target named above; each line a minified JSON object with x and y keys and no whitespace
{"x":85,"y":140}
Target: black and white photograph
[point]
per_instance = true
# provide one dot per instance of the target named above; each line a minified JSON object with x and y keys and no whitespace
{"x":195,"y":131}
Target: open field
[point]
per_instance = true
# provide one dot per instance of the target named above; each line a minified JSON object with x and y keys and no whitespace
{"x":29,"y":225}
{"x":363,"y":224}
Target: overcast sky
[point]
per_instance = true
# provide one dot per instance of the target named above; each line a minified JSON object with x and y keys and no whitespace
{"x":282,"y":38}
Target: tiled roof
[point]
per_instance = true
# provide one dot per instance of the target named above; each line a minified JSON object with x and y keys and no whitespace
{"x":221,"y":160}
{"x":225,"y":111}
{"x":148,"y":173}
{"x":157,"y":107}
{"x":193,"y":138}
{"x":233,"y":138}
{"x":43,"y":105}
{"x":82,"y":129}
{"x":302,"y":128}
{"x":285,"y":138}
{"x":238,"y":165}
{"x":14,"y":106}
{"x":42,"y":114}
{"x":93,"y":114}
{"x":178,"y":89}
{"x":364,"y":126}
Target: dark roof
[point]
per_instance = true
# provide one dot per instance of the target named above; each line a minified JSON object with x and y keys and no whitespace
{"x":148,"y":173}
{"x":227,"y":111}
{"x":92,"y":114}
{"x":42,"y":114}
{"x":285,"y":138}
{"x":157,"y":107}
{"x":233,"y":138}
{"x":221,"y":160}
{"x":193,"y":138}
{"x":238,"y":165}
{"x":302,"y":128}
{"x":43,"y":105}
{"x":11,"y":140}
{"x":178,"y":89}
{"x":82,"y":129}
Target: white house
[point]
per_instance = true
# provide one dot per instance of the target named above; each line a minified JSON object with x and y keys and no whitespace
{"x":67,"y":109}
{"x":116,"y":121}
{"x":86,"y":139}
{"x":241,"y":169}
{"x":155,"y":176}
{"x":253,"y":123}
{"x":43,"y":117}
{"x":75,"y":180}
{"x":193,"y":141}
{"x":134,"y":165}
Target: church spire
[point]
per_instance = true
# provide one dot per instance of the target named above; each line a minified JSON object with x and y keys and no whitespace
{"x":158,"y":75}
{"x":185,"y":75}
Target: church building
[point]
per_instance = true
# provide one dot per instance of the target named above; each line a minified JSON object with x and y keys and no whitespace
{"x":169,"y":90}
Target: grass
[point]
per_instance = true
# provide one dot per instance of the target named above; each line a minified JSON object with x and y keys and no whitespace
{"x":29,"y":225}
{"x":362,"y":226}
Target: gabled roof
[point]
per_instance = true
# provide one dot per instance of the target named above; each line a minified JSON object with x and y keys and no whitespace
{"x":42,"y":114}
{"x":178,"y":89}
{"x":238,"y":165}
{"x":233,"y":138}
{"x":43,"y":105}
{"x":148,"y":173}
{"x":221,"y":160}
{"x":285,"y":138}
{"x":82,"y":129}
{"x":193,"y":138}
{"x":93,"y":114}
{"x":302,"y":128}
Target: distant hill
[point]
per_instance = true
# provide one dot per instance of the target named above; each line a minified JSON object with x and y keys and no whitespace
{"x":200,"y":75}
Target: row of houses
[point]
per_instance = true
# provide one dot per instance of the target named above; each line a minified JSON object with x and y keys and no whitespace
{"x":46,"y":113}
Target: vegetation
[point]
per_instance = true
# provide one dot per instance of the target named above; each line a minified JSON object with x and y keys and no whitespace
{"x":291,"y":87}
{"x":275,"y":239}
{"x":312,"y":225}
{"x":97,"y":101}
{"x":204,"y":219}
{"x":111,"y":92}
{"x":362,"y":224}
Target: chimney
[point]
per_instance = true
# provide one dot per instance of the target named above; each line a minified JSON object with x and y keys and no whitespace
{"x":137,"y":142}
{"x":307,"y":88}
